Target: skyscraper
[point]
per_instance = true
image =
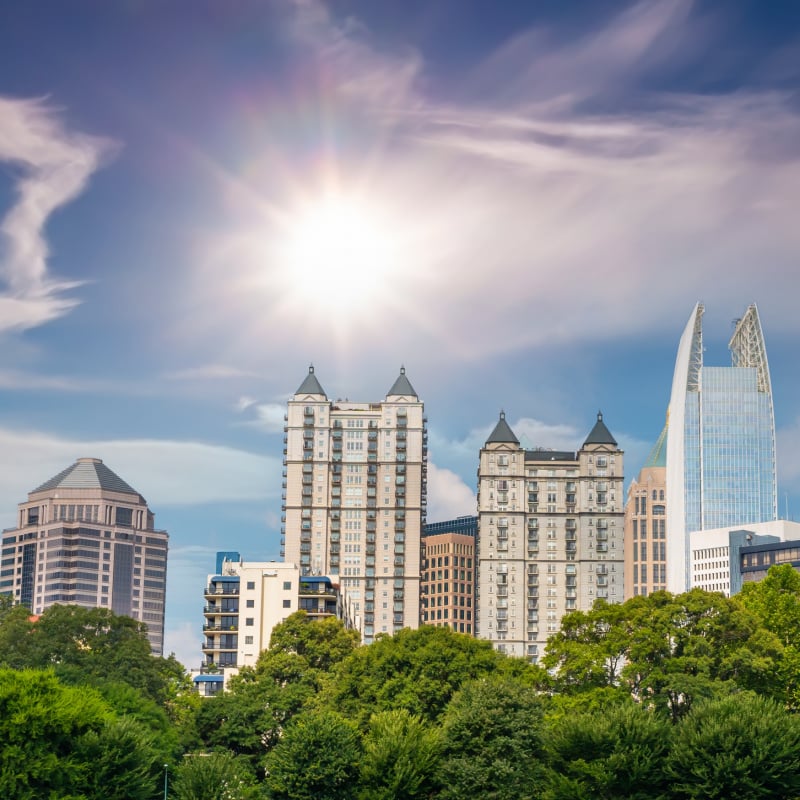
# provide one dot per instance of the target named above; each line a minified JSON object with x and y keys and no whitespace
{"x":355,"y":478}
{"x":721,"y":441}
{"x":87,"y":538}
{"x":549,"y":535}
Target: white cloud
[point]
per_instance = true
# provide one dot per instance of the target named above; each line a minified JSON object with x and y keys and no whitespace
{"x":268,"y":416}
{"x":167,"y":473}
{"x":55,"y":167}
{"x":448,"y":496}
{"x":559,"y":223}
{"x":184,"y":641}
{"x":209,"y":372}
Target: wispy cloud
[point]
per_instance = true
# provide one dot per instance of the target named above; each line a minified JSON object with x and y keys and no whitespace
{"x":209,"y":372}
{"x":168,"y":473}
{"x":571,"y":203}
{"x":54,"y":165}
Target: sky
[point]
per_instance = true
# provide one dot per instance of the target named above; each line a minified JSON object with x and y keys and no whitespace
{"x":519,"y":202}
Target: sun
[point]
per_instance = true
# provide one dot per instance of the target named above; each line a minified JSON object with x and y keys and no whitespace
{"x":338,"y":254}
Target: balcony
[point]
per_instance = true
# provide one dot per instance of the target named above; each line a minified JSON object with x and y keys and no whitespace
{"x":222,"y":590}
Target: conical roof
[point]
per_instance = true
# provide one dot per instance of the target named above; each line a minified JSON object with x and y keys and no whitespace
{"x":502,"y":433}
{"x":600,"y":434}
{"x":311,"y":385}
{"x":402,"y":386}
{"x":87,"y":473}
{"x":658,"y":455}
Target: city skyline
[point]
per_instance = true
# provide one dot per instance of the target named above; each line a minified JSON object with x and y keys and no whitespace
{"x":547,"y":193}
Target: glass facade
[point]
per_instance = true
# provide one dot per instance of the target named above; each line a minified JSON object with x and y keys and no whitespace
{"x":721,"y":441}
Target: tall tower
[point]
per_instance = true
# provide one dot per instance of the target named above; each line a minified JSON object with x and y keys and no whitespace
{"x":721,"y":441}
{"x":85,"y":537}
{"x":549,"y":536}
{"x":354,"y":500}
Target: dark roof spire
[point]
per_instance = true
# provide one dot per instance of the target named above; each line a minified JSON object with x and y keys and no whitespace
{"x":502,"y":433}
{"x":600,"y":434}
{"x":311,"y":385}
{"x":87,"y":473}
{"x":402,"y":386}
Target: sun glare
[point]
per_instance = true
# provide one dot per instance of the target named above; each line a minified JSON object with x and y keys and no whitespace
{"x":337,"y":254}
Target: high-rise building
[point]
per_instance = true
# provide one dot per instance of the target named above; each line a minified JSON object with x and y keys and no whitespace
{"x":448,"y":574}
{"x":721,"y":441}
{"x":550,"y":535}
{"x":354,"y":499}
{"x":85,"y":537}
{"x":646,"y":525}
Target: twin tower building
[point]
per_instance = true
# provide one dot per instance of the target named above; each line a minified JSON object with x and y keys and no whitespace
{"x":554,"y":530}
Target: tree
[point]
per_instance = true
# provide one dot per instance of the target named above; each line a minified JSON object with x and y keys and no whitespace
{"x":401,"y":753}
{"x":665,"y":650}
{"x":492,"y":741}
{"x":320,"y":642}
{"x":213,"y":776}
{"x":617,"y":754}
{"x":316,"y":759}
{"x":417,"y":670}
{"x":739,"y":746}
{"x":775,"y":601}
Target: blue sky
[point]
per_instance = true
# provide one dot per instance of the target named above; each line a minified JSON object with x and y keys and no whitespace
{"x":535,"y":195}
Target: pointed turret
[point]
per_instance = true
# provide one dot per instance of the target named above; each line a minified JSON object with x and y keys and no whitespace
{"x":311,"y":385}
{"x":502,"y":433}
{"x":600,"y":434}
{"x":402,"y":386}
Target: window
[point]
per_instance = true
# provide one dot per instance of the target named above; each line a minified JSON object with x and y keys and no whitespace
{"x":287,"y":603}
{"x":287,"y":585}
{"x":248,"y":640}
{"x":249,"y":622}
{"x":251,"y":584}
{"x":251,"y":603}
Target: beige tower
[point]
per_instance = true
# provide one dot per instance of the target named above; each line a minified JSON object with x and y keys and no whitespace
{"x":85,"y":537}
{"x":549,"y":536}
{"x":354,"y":499}
{"x":646,"y":525}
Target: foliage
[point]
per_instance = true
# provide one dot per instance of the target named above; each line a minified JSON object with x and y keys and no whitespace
{"x":42,"y":727}
{"x":316,"y":759}
{"x":320,"y":643}
{"x":400,"y":756}
{"x":665,"y":650}
{"x":617,"y":755}
{"x":416,"y":670}
{"x":738,"y":746}
{"x":214,"y":776}
{"x":492,"y":732}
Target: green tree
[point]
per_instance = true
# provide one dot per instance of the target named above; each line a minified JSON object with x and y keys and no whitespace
{"x":401,"y":753}
{"x":321,"y":643}
{"x":214,"y":776}
{"x":317,"y":758}
{"x":42,"y":726}
{"x":492,"y":741}
{"x":617,"y":754}
{"x":738,"y":746}
{"x":775,"y":602}
{"x":418,"y":670}
{"x":665,"y":650}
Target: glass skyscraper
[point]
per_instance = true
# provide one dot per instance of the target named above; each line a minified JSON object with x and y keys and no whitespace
{"x":721,"y":441}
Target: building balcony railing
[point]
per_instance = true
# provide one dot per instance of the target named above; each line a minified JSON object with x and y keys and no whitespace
{"x":221,"y":589}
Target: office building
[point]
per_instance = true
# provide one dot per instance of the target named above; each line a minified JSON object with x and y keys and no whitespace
{"x":448,"y":572}
{"x":354,"y":499}
{"x":550,"y":536}
{"x":721,"y":441}
{"x":646,"y":525}
{"x":85,"y":537}
{"x":716,"y":555}
{"x":756,"y":558}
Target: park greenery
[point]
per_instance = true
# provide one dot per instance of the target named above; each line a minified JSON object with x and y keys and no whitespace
{"x":661,"y":697}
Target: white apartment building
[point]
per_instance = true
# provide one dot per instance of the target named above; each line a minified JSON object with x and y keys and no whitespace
{"x":354,"y":499}
{"x":550,"y":536}
{"x":244,"y":601}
